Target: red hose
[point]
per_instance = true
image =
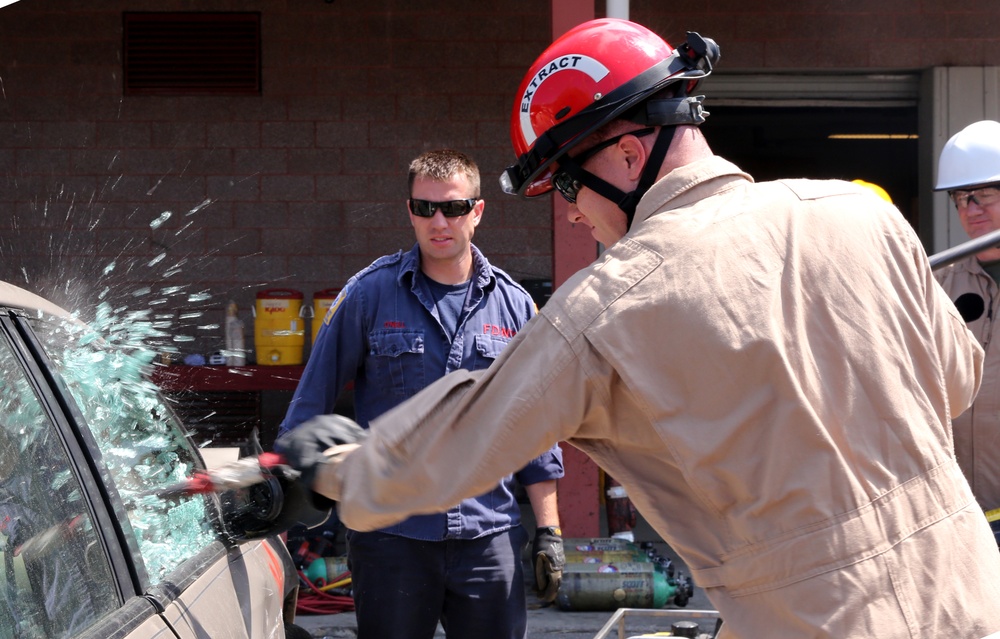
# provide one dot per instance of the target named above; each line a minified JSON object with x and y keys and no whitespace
{"x":313,"y":601}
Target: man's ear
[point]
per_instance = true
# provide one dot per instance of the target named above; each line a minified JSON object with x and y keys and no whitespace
{"x":634,"y":154}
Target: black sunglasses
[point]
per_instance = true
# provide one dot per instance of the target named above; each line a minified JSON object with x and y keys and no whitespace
{"x":452,"y":208}
{"x":568,"y":186}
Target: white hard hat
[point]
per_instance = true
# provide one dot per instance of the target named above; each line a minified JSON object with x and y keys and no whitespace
{"x":971,"y":157}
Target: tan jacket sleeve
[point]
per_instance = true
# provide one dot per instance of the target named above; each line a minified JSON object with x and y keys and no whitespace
{"x":463,"y":433}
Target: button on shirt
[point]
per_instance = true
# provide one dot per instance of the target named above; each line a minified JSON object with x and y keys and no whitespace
{"x":384,"y":333}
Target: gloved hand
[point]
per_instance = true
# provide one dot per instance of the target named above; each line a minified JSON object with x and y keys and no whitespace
{"x":304,"y":445}
{"x":285,"y":497}
{"x":548,"y":559}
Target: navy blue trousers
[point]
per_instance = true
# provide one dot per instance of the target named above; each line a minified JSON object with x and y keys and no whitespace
{"x":403,"y":587}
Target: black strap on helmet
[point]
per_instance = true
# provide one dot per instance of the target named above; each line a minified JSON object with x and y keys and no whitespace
{"x":650,"y":171}
{"x":671,"y":111}
{"x":627,"y":202}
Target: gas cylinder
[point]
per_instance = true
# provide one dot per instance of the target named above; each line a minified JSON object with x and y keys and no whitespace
{"x":321,"y":571}
{"x":605,"y":556}
{"x":597,"y":543}
{"x":611,"y":586}
{"x":623,"y":566}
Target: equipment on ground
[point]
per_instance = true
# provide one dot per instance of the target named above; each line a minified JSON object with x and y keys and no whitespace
{"x":701,"y":624}
{"x":605,"y":556}
{"x":629,"y":577}
{"x":324,"y":571}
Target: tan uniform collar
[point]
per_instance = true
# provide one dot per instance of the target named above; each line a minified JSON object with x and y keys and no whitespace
{"x":690,"y":183}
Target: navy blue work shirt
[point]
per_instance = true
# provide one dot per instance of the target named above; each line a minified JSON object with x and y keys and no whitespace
{"x":383,"y":333}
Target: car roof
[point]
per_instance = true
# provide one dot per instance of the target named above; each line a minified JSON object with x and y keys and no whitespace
{"x":17,"y":297}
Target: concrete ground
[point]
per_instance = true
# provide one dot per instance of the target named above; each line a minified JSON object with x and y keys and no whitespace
{"x":546,"y":622}
{"x":550,"y":621}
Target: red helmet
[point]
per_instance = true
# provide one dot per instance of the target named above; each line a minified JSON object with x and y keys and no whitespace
{"x":596,"y":72}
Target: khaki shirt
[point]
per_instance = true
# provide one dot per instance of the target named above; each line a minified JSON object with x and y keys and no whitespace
{"x":977,"y":430}
{"x":770,"y":370}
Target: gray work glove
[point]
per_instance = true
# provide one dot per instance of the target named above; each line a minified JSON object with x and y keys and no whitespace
{"x":548,"y":559}
{"x":304,"y":445}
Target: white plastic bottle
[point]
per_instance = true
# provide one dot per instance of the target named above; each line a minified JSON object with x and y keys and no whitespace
{"x":235,"y":346}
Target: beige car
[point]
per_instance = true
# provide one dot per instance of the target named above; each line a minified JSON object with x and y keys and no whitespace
{"x":87,"y":547}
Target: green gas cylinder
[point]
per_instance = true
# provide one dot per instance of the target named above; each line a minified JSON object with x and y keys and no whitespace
{"x":323,"y":570}
{"x":613,"y":586}
{"x":605,"y":556}
{"x":613,"y":567}
{"x":598,"y":543}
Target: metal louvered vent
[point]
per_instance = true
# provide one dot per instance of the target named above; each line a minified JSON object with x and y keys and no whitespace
{"x":192,"y":53}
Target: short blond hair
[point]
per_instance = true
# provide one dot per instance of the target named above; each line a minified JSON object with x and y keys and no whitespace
{"x":441,"y":164}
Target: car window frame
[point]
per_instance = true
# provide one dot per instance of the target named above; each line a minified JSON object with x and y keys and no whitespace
{"x":137,"y":604}
{"x":211,"y":502}
{"x":31,"y":358}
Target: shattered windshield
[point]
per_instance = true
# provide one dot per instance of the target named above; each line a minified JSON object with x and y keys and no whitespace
{"x":142,"y":445}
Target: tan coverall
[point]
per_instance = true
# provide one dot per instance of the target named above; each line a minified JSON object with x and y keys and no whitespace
{"x":770,"y":370}
{"x":977,"y":430}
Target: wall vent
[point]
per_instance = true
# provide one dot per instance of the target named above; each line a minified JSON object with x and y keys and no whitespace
{"x":179,"y":53}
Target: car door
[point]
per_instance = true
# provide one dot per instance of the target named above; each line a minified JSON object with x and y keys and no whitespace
{"x":175,"y":572}
{"x":62,"y":575}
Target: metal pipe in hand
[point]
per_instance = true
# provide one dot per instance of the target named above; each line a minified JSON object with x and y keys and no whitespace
{"x":955,"y":253}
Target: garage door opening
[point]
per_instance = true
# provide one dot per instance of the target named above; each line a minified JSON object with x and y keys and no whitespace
{"x":875,"y":144}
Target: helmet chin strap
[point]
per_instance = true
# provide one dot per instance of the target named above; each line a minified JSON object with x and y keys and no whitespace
{"x":627,"y":202}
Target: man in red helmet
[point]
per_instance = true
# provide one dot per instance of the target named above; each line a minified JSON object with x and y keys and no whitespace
{"x":769,"y":369}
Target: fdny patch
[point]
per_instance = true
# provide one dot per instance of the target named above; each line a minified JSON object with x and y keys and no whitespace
{"x":330,"y":312}
{"x":499,"y":331}
{"x":569,"y":62}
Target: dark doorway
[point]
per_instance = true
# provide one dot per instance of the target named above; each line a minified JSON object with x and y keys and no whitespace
{"x":781,"y":142}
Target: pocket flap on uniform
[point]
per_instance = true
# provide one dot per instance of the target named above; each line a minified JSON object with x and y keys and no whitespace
{"x":396,"y":343}
{"x":489,"y":346}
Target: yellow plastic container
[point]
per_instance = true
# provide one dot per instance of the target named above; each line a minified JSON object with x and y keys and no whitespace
{"x":322,"y":300}
{"x":279,"y":329}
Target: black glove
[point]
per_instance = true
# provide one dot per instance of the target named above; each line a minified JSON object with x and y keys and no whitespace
{"x":548,"y":559}
{"x":304,"y":445}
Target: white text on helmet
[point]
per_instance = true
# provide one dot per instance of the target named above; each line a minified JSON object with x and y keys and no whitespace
{"x":577,"y":62}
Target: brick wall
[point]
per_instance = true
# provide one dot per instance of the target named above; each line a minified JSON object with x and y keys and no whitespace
{"x":150,"y":202}
{"x":840,"y":34}
{"x":299,"y":187}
